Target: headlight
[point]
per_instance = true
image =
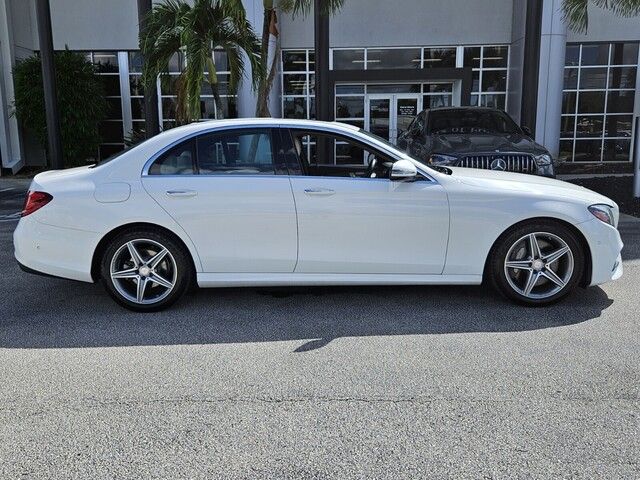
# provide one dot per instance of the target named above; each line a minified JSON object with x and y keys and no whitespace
{"x":544,"y":160}
{"x":440,"y":159}
{"x":604,"y":213}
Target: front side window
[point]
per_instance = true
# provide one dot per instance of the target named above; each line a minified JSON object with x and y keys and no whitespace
{"x":179,"y":160}
{"x":329,"y":155}
{"x":236,"y":152}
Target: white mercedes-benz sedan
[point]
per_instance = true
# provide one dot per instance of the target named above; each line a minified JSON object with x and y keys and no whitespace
{"x":268,"y":202}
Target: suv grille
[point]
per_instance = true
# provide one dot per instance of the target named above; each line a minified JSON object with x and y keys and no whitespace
{"x":520,"y":163}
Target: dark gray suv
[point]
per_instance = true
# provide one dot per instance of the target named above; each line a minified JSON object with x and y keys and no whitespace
{"x":475,"y":137}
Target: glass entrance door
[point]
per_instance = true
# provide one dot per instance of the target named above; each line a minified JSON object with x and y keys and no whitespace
{"x":390,"y":115}
{"x":405,"y":111}
{"x":379,"y":110}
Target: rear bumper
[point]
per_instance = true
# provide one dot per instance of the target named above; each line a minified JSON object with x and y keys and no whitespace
{"x":54,"y":251}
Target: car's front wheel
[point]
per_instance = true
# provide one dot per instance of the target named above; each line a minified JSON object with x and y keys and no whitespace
{"x":145,"y":270}
{"x":537,"y":263}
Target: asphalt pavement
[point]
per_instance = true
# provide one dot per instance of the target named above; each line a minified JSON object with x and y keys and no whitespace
{"x":375,"y":382}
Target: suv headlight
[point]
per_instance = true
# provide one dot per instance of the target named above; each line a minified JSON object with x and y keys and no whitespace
{"x":544,"y":160}
{"x":440,"y":159}
{"x":604,"y":213}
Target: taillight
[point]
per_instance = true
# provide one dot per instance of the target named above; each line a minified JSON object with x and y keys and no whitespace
{"x":35,"y":201}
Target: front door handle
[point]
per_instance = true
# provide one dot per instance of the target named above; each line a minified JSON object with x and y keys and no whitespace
{"x":182,"y":193}
{"x":319,"y":192}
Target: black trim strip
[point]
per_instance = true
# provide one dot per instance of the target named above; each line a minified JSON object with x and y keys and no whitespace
{"x":531,"y":64}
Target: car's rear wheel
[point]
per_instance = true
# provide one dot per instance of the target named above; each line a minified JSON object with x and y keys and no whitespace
{"x":145,"y":270}
{"x":537,"y":263}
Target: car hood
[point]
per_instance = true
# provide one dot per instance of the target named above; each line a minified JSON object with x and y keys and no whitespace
{"x":527,"y":184}
{"x":484,"y":143}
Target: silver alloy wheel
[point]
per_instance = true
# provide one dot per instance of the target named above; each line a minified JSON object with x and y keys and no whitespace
{"x":143,"y":271}
{"x":539,"y":265}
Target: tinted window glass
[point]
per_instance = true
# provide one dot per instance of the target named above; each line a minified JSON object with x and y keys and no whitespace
{"x":236,"y":152}
{"x":464,"y":121}
{"x":177,"y":161}
{"x":329,"y":155}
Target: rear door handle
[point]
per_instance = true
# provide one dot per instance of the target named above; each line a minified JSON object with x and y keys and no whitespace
{"x":319,"y":192}
{"x":182,"y":193}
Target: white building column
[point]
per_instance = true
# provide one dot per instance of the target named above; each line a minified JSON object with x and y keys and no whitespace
{"x":10,"y":147}
{"x":551,"y":76}
{"x":247,"y":97}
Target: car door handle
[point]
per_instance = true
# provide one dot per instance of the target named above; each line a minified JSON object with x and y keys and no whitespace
{"x":182,"y":193}
{"x":319,"y":192}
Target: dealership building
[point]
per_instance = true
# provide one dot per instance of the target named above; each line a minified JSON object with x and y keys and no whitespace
{"x":578,"y":92}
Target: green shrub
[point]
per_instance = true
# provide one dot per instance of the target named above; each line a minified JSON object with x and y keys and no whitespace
{"x":81,"y":103}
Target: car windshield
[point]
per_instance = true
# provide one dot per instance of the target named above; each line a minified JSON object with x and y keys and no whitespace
{"x":470,"y":121}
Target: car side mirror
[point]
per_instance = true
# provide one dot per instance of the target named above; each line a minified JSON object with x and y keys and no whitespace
{"x":403,"y":171}
{"x":527,"y":131}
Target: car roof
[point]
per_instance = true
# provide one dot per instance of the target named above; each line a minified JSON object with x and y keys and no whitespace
{"x":204,"y":125}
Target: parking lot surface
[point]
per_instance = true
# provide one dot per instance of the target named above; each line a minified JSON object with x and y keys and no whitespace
{"x":398,"y":382}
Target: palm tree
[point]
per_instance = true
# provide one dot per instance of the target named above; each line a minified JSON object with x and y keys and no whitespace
{"x":269,"y":29}
{"x":576,"y":11}
{"x":175,"y":26}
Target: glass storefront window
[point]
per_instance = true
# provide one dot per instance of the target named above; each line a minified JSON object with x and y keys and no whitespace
{"x":489,"y":63}
{"x":348,"y":59}
{"x":294,"y":61}
{"x":439,"y":58}
{"x":572,"y":55}
{"x":490,"y":74}
{"x":593,"y":78}
{"x":472,"y":57}
{"x":595,"y":54}
{"x":295,"y":84}
{"x":349,"y":107}
{"x":495,"y":57}
{"x":346,"y":89}
{"x":112,"y":128}
{"x":394,"y":88}
{"x":624,"y":53}
{"x":400,"y":58}
{"x":598,"y":102}
{"x":295,"y":108}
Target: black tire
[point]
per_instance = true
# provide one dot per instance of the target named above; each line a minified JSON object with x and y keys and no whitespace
{"x":543,"y":230}
{"x":176,"y":266}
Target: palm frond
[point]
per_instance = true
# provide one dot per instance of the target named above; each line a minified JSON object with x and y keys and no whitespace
{"x":174,"y":26}
{"x":303,"y":7}
{"x":576,"y":15}
{"x":160,"y":38}
{"x":576,"y":12}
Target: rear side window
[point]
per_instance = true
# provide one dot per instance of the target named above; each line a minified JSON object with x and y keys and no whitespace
{"x":179,"y":160}
{"x":236,"y":152}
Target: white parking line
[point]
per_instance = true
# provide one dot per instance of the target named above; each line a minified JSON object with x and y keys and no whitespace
{"x":6,"y":189}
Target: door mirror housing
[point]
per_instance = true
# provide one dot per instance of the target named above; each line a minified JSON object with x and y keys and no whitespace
{"x":403,"y":171}
{"x":527,"y":131}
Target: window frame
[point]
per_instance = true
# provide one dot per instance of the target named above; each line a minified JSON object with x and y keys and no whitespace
{"x":280,"y":164}
{"x":172,"y":148}
{"x":295,"y":131}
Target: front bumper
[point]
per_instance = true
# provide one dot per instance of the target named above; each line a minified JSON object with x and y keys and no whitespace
{"x":605,"y":245}
{"x":55,"y":251}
